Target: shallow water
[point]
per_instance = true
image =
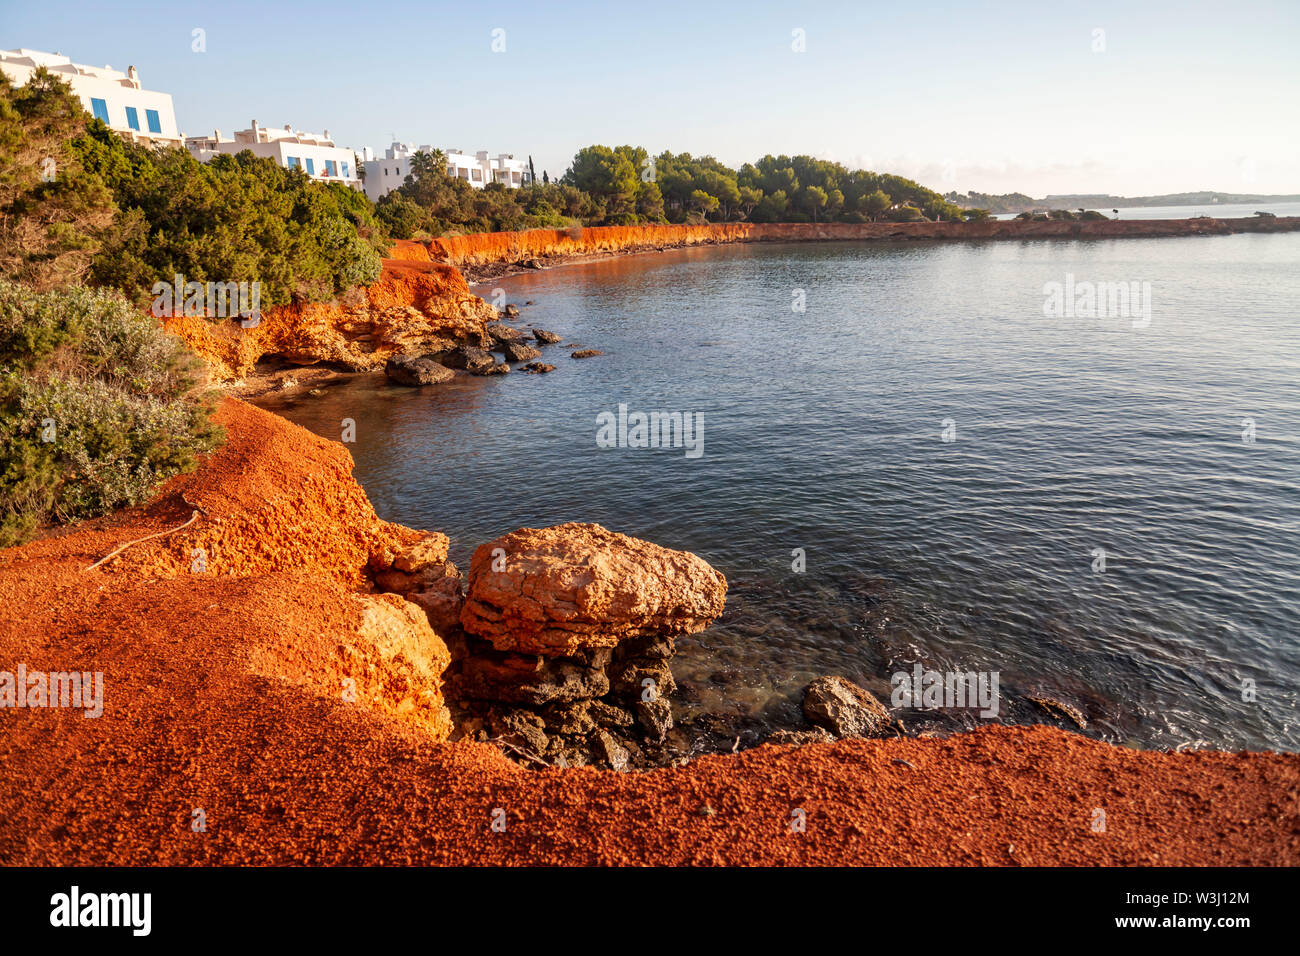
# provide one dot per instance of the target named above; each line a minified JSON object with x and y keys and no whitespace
{"x":824,"y":430}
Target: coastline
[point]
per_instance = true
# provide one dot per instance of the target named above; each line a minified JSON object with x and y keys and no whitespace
{"x":481,"y":257}
{"x":239,"y":665}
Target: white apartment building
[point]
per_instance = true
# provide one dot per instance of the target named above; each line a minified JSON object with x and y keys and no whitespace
{"x":386,"y":174}
{"x":140,"y":115}
{"x":313,"y":153}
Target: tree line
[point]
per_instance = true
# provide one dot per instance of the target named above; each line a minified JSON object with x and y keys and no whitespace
{"x":626,"y":185}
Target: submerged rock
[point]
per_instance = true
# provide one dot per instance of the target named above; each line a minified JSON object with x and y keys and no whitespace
{"x":844,"y":708}
{"x":538,"y":368}
{"x":412,"y":370}
{"x":586,"y":353}
{"x":500,"y":368}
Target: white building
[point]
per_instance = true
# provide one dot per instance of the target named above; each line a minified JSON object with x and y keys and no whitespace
{"x":313,"y":153}
{"x":386,"y":174}
{"x":142,"y":116}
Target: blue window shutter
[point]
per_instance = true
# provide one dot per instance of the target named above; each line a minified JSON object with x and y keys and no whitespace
{"x":100,"y":109}
{"x":293,"y":162}
{"x":311,"y":167}
{"x":345,"y":170}
{"x":151,"y":117}
{"x":132,"y":118}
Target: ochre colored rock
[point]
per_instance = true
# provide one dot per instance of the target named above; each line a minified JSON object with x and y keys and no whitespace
{"x":274,"y":497}
{"x":442,"y":602}
{"x":581,"y":585}
{"x":396,"y":661}
{"x":415,"y":308}
{"x":482,"y":248}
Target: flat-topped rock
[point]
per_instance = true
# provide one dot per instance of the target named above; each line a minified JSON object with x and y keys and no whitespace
{"x":556,"y":590}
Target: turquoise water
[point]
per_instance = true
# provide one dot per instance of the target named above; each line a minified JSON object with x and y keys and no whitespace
{"x":823,"y":430}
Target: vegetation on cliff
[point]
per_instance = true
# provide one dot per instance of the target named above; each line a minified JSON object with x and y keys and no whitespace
{"x":97,"y":406}
{"x":79,"y":204}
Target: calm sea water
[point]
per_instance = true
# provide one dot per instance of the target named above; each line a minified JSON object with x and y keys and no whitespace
{"x":824,"y":431}
{"x":1214,"y":210}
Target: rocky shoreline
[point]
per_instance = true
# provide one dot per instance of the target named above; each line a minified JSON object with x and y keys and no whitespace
{"x":483,"y":257}
{"x":289,"y":690}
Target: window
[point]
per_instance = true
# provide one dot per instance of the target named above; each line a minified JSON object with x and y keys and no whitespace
{"x":292,"y":161}
{"x":478,"y":175}
{"x":100,"y":109}
{"x":329,"y":168}
{"x":151,"y":117}
{"x":345,"y":170}
{"x":132,"y":118}
{"x":311,"y":167}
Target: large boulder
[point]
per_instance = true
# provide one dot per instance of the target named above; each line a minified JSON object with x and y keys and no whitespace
{"x":844,"y":708}
{"x":555,"y":590}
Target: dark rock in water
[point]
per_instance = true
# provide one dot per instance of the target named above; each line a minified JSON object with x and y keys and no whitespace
{"x":517,"y":352}
{"x":655,"y":717}
{"x":538,"y":368}
{"x":844,"y":708}
{"x":587,"y":353}
{"x":533,"y":263}
{"x":468,"y":357}
{"x":605,"y":747}
{"x":798,"y":738}
{"x":410,"y":370}
{"x":501,"y":332}
{"x":529,"y":302}
{"x":511,"y":311}
{"x":1061,"y":710}
{"x":501,"y":368}
{"x":546,"y":338}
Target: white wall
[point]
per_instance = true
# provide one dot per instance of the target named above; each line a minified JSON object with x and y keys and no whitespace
{"x":115,"y":88}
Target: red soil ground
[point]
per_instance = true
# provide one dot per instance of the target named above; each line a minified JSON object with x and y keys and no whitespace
{"x":221,"y":694}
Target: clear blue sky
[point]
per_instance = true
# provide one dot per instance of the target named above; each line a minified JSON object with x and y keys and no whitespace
{"x":989,"y":96}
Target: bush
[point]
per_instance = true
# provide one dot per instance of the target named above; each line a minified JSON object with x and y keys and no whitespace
{"x":97,"y":407}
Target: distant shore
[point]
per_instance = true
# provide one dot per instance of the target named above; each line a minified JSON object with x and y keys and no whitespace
{"x":484,"y":256}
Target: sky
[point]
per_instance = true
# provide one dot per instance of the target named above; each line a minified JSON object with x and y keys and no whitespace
{"x":1054,"y":96}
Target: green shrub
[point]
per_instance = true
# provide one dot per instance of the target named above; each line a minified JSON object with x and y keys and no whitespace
{"x":97,"y":406}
